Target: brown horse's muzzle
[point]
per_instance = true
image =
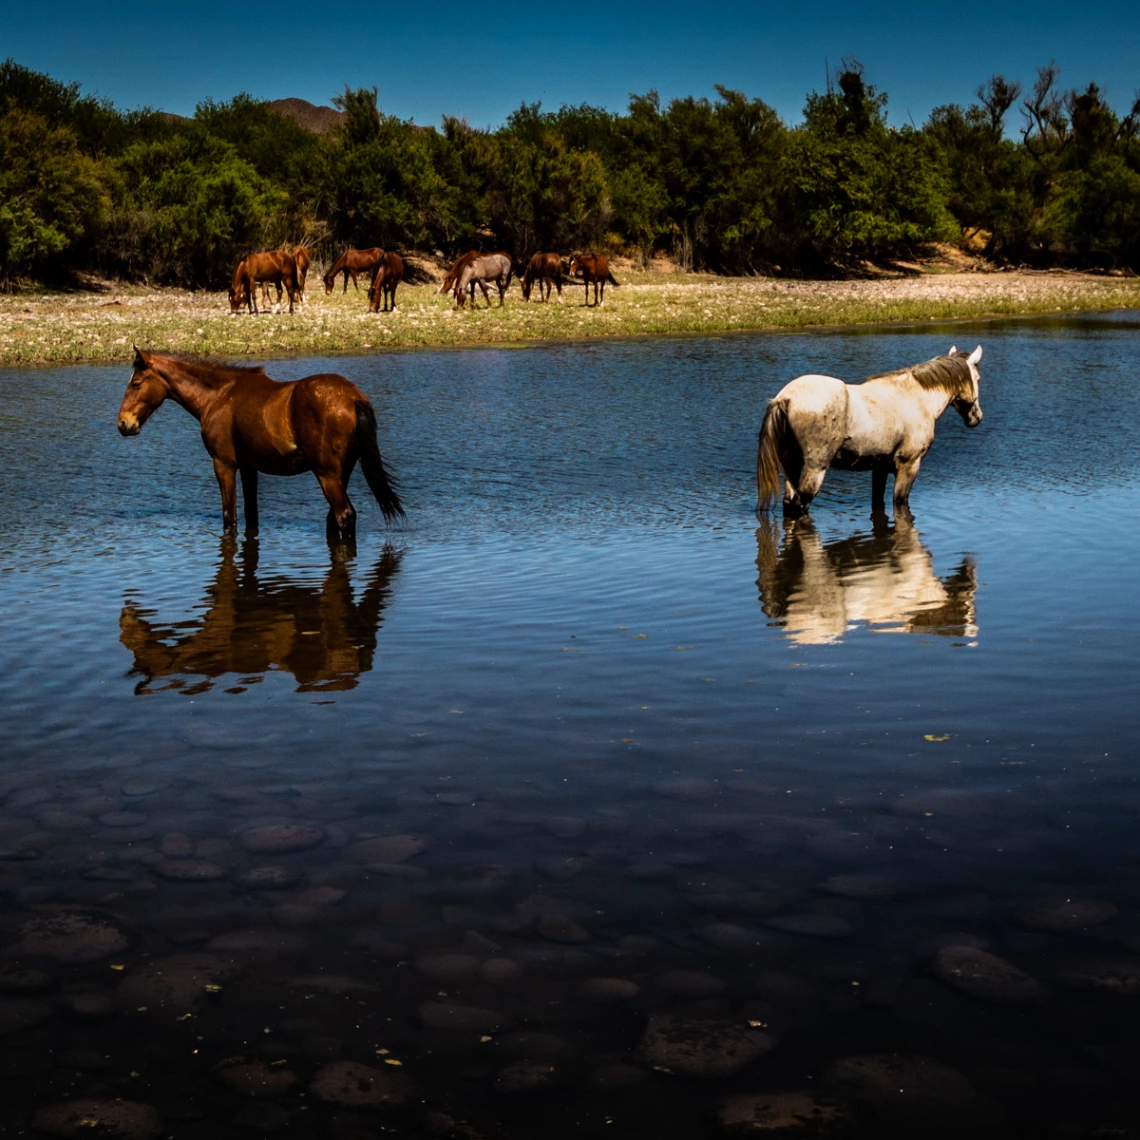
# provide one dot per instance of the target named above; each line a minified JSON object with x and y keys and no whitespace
{"x":129,"y":424}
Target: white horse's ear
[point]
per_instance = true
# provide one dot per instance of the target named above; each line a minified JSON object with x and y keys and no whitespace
{"x":953,"y":350}
{"x":975,"y":356}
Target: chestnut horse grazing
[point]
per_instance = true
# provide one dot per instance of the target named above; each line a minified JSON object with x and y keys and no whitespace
{"x":350,"y":263}
{"x":275,"y":266}
{"x":496,"y":267}
{"x":546,"y":269}
{"x":594,"y":270}
{"x":884,"y":424}
{"x":252,"y":424}
{"x":456,"y":268}
{"x":301,"y":256}
{"x":389,"y":274}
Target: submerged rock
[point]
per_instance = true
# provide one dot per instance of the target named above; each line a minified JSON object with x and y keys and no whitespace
{"x":811,"y":925}
{"x":353,"y":1085}
{"x":178,"y":984}
{"x":985,"y":976}
{"x":267,"y":878}
{"x":113,"y":1119}
{"x":913,"y":1090}
{"x":462,"y":1018}
{"x":385,"y":849}
{"x":1060,"y":914}
{"x":709,"y":1050}
{"x":256,"y":1078}
{"x":21,"y":980}
{"x":784,"y":1115}
{"x":189,"y":870}
{"x":603,"y":991}
{"x":74,"y":936}
{"x":526,"y":1077}
{"x":20,"y":1013}
{"x":280,"y":838}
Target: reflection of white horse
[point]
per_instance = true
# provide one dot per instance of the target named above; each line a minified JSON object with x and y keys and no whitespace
{"x":884,"y":580}
{"x":884,"y":424}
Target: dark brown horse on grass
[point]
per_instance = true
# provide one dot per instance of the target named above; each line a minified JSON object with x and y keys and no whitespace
{"x":274,"y":266}
{"x":546,"y":269}
{"x":301,"y":257}
{"x":594,"y":269}
{"x":252,"y":424}
{"x":350,"y":263}
{"x":389,"y":274}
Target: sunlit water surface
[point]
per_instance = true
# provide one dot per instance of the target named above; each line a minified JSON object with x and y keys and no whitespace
{"x":632,"y":731}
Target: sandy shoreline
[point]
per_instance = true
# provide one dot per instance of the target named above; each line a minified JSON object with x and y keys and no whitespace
{"x":93,"y":327}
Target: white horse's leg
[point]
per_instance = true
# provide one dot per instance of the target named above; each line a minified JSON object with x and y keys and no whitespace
{"x":809,"y":484}
{"x":905,"y":475}
{"x":879,"y":485}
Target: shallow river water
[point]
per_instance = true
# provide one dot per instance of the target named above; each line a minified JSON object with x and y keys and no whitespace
{"x":600,"y":807}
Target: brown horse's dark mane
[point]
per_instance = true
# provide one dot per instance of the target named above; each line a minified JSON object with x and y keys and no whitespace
{"x":946,"y":373}
{"x":209,"y":370}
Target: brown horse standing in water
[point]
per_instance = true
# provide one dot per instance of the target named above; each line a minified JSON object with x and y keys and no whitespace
{"x":252,"y":424}
{"x":546,"y":269}
{"x":594,"y":269}
{"x":389,"y":274}
{"x":350,"y":263}
{"x":275,"y":266}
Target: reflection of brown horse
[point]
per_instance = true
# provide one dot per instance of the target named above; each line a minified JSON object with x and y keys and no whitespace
{"x":594,"y":269}
{"x":301,"y":257}
{"x":546,"y":269}
{"x":273,"y":267}
{"x":884,"y":580}
{"x":350,"y":263}
{"x":323,"y":635}
{"x":251,"y":423}
{"x":389,"y":274}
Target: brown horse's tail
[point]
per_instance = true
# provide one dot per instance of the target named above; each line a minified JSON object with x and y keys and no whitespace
{"x":773,"y":431}
{"x":613,"y":281}
{"x":380,"y":480}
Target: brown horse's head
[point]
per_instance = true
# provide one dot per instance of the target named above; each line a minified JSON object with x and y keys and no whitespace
{"x":526,"y":283}
{"x":145,"y":392}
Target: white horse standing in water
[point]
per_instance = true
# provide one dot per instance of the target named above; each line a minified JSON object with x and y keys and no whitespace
{"x":884,"y":424}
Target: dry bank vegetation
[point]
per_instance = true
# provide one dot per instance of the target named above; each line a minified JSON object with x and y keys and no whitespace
{"x":101,"y":326}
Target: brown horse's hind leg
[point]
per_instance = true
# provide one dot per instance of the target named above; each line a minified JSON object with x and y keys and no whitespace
{"x":341,"y":519}
{"x":249,"y":497}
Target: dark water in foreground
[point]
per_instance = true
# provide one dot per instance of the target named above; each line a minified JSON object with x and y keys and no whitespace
{"x":643,"y":759}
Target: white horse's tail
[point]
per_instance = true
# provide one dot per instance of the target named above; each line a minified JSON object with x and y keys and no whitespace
{"x":773,"y":431}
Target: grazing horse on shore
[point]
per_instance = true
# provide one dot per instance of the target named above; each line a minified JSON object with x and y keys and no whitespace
{"x":301,"y":257}
{"x":594,"y":269}
{"x":389,"y":274}
{"x":252,"y":424}
{"x":350,"y":263}
{"x":496,"y":267}
{"x":884,"y":424}
{"x":275,"y":266}
{"x":546,"y":269}
{"x":457,"y":267}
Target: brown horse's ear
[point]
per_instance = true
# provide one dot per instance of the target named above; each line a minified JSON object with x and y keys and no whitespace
{"x":140,"y":360}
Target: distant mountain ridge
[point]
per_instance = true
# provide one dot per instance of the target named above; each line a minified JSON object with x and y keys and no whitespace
{"x":319,"y":120}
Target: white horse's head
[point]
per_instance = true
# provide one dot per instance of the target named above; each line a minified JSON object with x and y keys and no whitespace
{"x":966,"y":403}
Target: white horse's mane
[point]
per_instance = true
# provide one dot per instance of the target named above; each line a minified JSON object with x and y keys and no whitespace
{"x":949,"y":373}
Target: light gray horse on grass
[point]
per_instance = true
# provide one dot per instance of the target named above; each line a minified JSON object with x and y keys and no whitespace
{"x":884,"y":425}
{"x":496,"y":267}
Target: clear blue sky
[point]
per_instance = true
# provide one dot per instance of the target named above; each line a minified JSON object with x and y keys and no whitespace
{"x":480,"y":61}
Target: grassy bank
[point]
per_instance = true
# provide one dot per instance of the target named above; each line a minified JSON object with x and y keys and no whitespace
{"x":102,"y":326}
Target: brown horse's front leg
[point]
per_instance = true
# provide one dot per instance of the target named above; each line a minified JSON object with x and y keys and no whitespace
{"x":249,"y":496}
{"x":227,"y":484}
